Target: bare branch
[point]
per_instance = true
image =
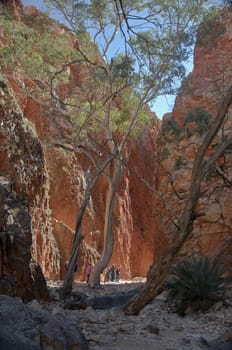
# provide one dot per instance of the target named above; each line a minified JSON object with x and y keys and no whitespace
{"x":211,"y":133}
{"x":159,"y":270}
{"x":226,"y":178}
{"x":217,"y":153}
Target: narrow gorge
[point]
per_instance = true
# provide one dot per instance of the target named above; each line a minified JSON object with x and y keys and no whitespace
{"x":42,"y":170}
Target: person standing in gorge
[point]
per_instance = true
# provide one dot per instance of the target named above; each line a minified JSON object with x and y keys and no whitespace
{"x":88,"y":271}
{"x":111,"y":273}
{"x":65,"y":267}
{"x":117,"y":274}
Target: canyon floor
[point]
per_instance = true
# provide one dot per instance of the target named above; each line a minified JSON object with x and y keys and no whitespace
{"x":155,"y":328}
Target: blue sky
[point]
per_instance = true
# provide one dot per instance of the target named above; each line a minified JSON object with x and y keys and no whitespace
{"x":162,"y":105}
{"x":37,"y":3}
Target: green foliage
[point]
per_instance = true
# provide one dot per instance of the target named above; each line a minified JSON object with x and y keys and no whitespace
{"x":89,"y":119}
{"x":210,"y":30}
{"x":201,"y":118}
{"x":186,"y":86}
{"x":197,"y":283}
{"x":122,"y":67}
{"x":212,"y":174}
{"x":229,"y":148}
{"x":164,"y":154}
{"x":180,"y":163}
{"x":144,"y":119}
{"x":33,"y":46}
{"x":88,"y":48}
{"x":170,"y":127}
{"x":158,"y":35}
{"x":119,"y":119}
{"x":122,"y":115}
{"x":119,"y":72}
{"x":30,"y":126}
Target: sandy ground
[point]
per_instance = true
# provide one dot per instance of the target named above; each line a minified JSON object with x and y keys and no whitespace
{"x":155,"y":328}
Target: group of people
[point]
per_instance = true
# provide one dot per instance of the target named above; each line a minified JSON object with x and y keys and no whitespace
{"x":112,"y":274}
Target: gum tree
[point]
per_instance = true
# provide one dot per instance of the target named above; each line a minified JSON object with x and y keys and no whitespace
{"x":184,"y":225}
{"x":140,"y":49}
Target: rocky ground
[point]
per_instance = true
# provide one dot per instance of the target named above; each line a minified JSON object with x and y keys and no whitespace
{"x":155,"y":328}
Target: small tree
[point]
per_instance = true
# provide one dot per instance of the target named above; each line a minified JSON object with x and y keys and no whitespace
{"x":142,"y":46}
{"x":197,"y":283}
{"x":135,"y":53}
{"x":184,"y":225}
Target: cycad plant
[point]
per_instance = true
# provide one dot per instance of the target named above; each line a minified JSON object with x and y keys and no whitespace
{"x":197,"y":283}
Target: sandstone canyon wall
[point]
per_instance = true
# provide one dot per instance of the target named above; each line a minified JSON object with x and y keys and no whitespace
{"x":52,"y":178}
{"x":39,"y":157}
{"x":182,"y":133}
{"x":21,"y":186}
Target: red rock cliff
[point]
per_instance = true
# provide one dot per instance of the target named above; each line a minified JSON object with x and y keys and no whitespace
{"x":182,"y":133}
{"x":53,"y":177}
{"x":55,"y":184}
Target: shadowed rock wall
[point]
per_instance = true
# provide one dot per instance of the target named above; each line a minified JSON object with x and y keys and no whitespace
{"x":182,"y":133}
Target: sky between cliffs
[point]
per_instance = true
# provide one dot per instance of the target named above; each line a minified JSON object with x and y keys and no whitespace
{"x":161,"y":106}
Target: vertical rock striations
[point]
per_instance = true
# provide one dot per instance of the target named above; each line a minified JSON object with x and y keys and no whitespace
{"x":182,"y":133}
{"x":39,"y":158}
{"x":16,"y":276}
{"x":22,"y":162}
{"x":51,"y":174}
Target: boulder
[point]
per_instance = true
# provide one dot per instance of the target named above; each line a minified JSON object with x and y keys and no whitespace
{"x":23,"y":328}
{"x":18,"y":276}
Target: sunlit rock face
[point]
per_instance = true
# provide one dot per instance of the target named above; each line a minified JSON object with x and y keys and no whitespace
{"x":51,"y":174}
{"x":211,"y":75}
{"x":15,"y":6}
{"x":134,"y":223}
{"x":183,"y":132}
{"x":49,"y":171}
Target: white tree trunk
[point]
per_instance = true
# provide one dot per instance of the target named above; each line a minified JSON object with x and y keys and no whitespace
{"x":159,"y":270}
{"x":108,"y":225}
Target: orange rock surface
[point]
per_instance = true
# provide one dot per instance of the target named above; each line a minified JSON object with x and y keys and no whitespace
{"x":142,"y":222}
{"x":201,"y":90}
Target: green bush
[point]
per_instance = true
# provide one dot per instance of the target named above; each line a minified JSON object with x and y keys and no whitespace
{"x":33,"y":46}
{"x":197,"y":283}
{"x":170,"y":127}
{"x":210,"y":30}
{"x":201,"y":118}
{"x":164,"y":154}
{"x":186,"y":86}
{"x":180,"y":163}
